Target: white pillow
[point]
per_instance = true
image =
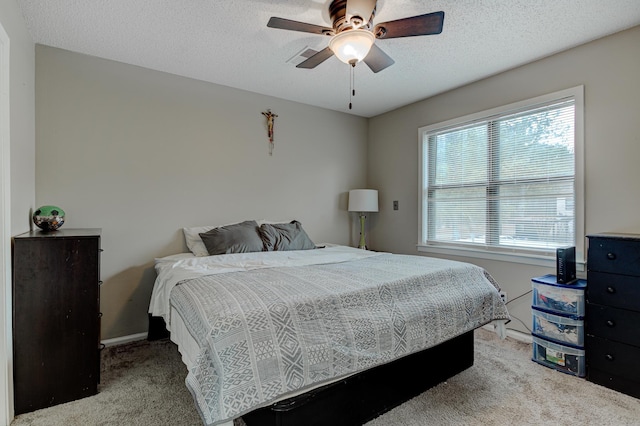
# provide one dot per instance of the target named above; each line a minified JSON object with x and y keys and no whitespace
{"x":193,"y":240}
{"x":195,"y":244}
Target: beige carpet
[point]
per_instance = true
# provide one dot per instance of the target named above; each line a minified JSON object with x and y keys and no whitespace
{"x":143,"y":384}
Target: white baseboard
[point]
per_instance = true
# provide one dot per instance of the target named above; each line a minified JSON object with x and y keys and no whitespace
{"x":519,"y":335}
{"x":514,"y":334}
{"x":124,"y":339}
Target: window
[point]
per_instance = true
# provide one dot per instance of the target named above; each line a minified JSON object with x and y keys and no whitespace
{"x":505,"y":182}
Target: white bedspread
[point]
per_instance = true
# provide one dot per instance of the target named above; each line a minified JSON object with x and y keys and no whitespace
{"x":271,"y":323}
{"x":171,"y":272}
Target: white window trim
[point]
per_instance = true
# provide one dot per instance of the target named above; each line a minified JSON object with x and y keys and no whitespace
{"x":532,"y":259}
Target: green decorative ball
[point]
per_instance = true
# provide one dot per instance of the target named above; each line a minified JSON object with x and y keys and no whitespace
{"x":48,"y":218}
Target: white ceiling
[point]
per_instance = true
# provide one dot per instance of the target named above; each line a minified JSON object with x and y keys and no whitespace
{"x":227,"y":42}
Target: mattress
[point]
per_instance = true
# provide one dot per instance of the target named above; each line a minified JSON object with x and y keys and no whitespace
{"x":255,"y":328}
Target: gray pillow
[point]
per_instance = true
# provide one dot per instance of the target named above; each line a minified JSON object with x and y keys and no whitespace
{"x":237,"y":238}
{"x":285,"y":236}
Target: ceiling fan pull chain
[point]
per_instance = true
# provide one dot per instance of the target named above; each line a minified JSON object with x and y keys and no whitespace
{"x":353,"y":79}
{"x":352,"y":91}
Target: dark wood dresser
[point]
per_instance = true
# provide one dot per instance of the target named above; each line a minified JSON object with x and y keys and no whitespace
{"x":613,"y":312}
{"x":56,"y":319}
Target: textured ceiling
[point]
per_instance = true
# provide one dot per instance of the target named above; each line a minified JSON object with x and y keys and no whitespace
{"x":228,"y":42}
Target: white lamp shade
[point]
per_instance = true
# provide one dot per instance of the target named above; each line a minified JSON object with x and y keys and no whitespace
{"x":352,"y":45}
{"x":363,"y":200}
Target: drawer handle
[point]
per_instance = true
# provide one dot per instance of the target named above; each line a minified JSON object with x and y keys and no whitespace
{"x":609,"y":357}
{"x":611,"y":290}
{"x":611,"y":256}
{"x":611,"y":323}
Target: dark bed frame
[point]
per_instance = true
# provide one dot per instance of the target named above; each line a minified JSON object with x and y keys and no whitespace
{"x":363,"y":396}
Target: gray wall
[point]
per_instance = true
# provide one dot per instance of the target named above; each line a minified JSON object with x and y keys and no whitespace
{"x":608,"y":68}
{"x":141,"y":154}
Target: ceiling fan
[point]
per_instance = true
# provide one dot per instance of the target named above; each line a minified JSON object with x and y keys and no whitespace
{"x":353,"y":33}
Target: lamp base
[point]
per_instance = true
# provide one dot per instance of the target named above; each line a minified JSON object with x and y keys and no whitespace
{"x":362,"y":244}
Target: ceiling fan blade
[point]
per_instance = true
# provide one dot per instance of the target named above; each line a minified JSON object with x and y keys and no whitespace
{"x":288,"y":24}
{"x":431,"y":23}
{"x":316,"y":59}
{"x":362,"y":8}
{"x":377,"y":60}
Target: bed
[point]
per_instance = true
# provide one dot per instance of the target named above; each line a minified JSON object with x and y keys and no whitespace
{"x":329,"y":335}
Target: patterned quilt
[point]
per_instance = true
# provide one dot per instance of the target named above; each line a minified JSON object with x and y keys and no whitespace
{"x":265,"y":333}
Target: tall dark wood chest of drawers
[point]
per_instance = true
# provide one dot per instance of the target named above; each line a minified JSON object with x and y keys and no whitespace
{"x":613,"y":312}
{"x":56,"y":319}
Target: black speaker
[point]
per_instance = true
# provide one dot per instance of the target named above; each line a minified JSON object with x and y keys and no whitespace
{"x":566,"y":265}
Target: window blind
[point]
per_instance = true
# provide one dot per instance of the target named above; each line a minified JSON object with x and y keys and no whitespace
{"x":504,"y":182}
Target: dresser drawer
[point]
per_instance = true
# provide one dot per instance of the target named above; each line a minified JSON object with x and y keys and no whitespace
{"x":613,"y":358}
{"x":619,"y":291}
{"x":620,"y":325}
{"x":614,"y":255}
{"x":619,"y":383}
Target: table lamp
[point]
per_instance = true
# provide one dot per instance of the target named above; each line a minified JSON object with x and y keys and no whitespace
{"x":362,"y":201}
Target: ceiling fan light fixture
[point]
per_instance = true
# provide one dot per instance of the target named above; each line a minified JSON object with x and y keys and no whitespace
{"x":352,"y":46}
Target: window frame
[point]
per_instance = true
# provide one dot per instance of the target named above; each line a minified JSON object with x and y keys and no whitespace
{"x":510,"y":254}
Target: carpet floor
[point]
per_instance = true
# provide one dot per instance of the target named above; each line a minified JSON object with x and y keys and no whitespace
{"x":143,"y":384}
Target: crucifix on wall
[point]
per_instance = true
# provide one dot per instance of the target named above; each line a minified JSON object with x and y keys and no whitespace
{"x":270,"y":120}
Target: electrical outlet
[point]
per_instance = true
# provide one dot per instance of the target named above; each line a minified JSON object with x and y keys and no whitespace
{"x":395,"y":205}
{"x":503,"y":296}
